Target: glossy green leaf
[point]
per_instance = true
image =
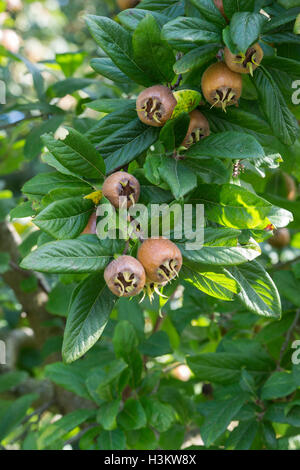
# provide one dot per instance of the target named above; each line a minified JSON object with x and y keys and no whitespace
{"x":83,"y":255}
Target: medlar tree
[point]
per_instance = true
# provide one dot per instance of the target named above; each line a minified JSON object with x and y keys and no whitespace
{"x":204,"y":111}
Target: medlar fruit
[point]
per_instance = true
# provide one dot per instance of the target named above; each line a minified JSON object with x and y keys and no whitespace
{"x":161,"y":259}
{"x":125,"y":4}
{"x":91,"y":225}
{"x":121,"y":184}
{"x":125,"y":276}
{"x":155,"y":105}
{"x":198,"y":129}
{"x":244,"y":62}
{"x":220,"y":86}
{"x":280,"y":239}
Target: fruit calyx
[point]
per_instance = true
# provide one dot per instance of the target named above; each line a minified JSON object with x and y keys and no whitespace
{"x":221,"y":86}
{"x":161,"y":259}
{"x":155,"y":105}
{"x":198,"y":129}
{"x":125,"y":276}
{"x":244,"y":62}
{"x":121,"y":185}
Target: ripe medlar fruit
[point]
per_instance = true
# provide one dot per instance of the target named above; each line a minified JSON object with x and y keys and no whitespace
{"x":91,"y":225}
{"x":198,"y":129}
{"x":155,"y":105}
{"x":244,"y":63}
{"x":125,"y":4}
{"x":121,"y":184}
{"x":280,"y":239}
{"x":125,"y":276}
{"x":161,"y":259}
{"x":220,"y":86}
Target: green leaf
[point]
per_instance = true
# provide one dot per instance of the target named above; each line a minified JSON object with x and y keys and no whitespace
{"x":77,"y":154}
{"x":34,"y":144}
{"x":70,"y":61}
{"x":230,"y":144}
{"x":22,"y":210}
{"x":245,"y":29}
{"x":116,"y":42}
{"x":11,"y":379}
{"x":105,"y":66}
{"x":233,"y":6}
{"x":174,"y":132}
{"x":180,"y":179}
{"x":89,"y":310}
{"x":209,"y":170}
{"x":232,"y":206}
{"x":68,"y":86}
{"x":121,"y":137}
{"x":157,"y":344}
{"x":151,"y":52}
{"x":221,"y":414}
{"x":187,"y":100}
{"x":65,"y":218}
{"x":124,"y":339}
{"x":107,"y":414}
{"x":160,"y":415}
{"x":258,"y":291}
{"x":209,"y":11}
{"x":242,"y":437}
{"x":184,"y":32}
{"x":278,"y":385}
{"x":220,"y":248}
{"x":141,"y":439}
{"x":216,"y":284}
{"x":43,"y":183}
{"x":71,"y":377}
{"x":171,"y":8}
{"x":112,"y":440}
{"x":225,"y":368}
{"x":14,"y":413}
{"x":86,"y":254}
{"x":131,"y":18}
{"x":132,"y":416}
{"x":59,"y":299}
{"x":56,"y":431}
{"x":173,"y":438}
{"x":280,"y":118}
{"x":102,"y":380}
{"x":196,"y":58}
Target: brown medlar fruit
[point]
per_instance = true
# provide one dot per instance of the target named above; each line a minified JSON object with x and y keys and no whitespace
{"x":220,"y":86}
{"x":91,"y":225}
{"x":125,"y":4}
{"x":198,"y":129}
{"x":280,"y":239}
{"x":121,"y":184}
{"x":161,"y":259}
{"x":155,"y":105}
{"x":125,"y":276}
{"x":244,"y":62}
